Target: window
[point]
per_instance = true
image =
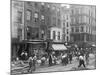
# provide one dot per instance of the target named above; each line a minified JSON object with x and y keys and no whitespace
{"x":64,"y":37}
{"x":79,"y":19}
{"x":58,"y":9}
{"x":48,"y":6}
{"x":49,"y":35}
{"x":58,"y":35}
{"x":74,"y":20}
{"x":19,"y":34}
{"x":54,"y":21}
{"x":79,"y":10}
{"x":36,"y":16}
{"x":85,"y":19}
{"x":63,"y":24}
{"x":64,"y":30}
{"x":19,"y":17}
{"x":28,"y":14}
{"x":72,"y":29}
{"x":67,"y":31}
{"x":53,"y":8}
{"x":67,"y":38}
{"x":36,"y":5}
{"x":82,"y":29}
{"x":42,"y":34}
{"x":72,"y":11}
{"x":54,"y":35}
{"x":67,"y":17}
{"x":42,"y":3}
{"x":67,"y":24}
{"x":77,"y":29}
{"x":42,"y":17}
{"x":89,"y":20}
{"x":59,"y":22}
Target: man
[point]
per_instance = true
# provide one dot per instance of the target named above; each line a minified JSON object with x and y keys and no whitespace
{"x":81,"y":61}
{"x":32,"y":62}
{"x":87,"y":58}
{"x":50,"y":60}
{"x":70,"y":58}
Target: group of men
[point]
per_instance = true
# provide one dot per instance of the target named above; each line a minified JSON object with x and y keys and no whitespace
{"x":52,"y":59}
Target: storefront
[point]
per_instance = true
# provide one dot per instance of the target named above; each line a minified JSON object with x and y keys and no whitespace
{"x":58,"y":48}
{"x":36,"y":47}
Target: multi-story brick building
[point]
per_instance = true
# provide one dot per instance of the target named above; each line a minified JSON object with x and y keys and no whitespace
{"x":65,"y":20}
{"x":41,"y":21}
{"x":17,"y":26}
{"x":83,"y":23}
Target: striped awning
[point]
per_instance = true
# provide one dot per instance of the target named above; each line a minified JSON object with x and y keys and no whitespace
{"x":59,"y":47}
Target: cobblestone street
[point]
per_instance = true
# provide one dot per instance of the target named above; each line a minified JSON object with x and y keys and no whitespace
{"x":69,"y":67}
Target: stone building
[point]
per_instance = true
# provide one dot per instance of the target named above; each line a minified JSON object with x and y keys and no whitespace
{"x":65,"y":23}
{"x":17,"y":26}
{"x":83,"y":23}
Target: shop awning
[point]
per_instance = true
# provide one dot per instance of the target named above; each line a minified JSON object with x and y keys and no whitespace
{"x":59,"y":47}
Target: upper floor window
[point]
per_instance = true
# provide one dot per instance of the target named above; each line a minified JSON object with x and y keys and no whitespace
{"x":58,"y":35}
{"x":48,"y":6}
{"x":19,"y":18}
{"x":54,"y":21}
{"x":67,"y":38}
{"x":54,"y":35}
{"x":53,"y":8}
{"x":67,"y":24}
{"x":63,"y":24}
{"x":28,"y":14}
{"x":79,"y":19}
{"x":82,"y":29}
{"x":59,"y":22}
{"x":72,"y":29}
{"x":67,"y":17}
{"x":64,"y":30}
{"x":77,"y":29}
{"x":42,"y":17}
{"x":36,"y":4}
{"x":42,"y":3}
{"x":67,"y":31}
{"x":72,"y":11}
{"x":36,"y":16}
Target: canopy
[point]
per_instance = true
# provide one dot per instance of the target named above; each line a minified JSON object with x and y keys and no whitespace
{"x":59,"y":47}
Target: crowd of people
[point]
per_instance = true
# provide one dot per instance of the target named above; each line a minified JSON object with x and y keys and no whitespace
{"x":52,"y":58}
{"x":64,"y":59}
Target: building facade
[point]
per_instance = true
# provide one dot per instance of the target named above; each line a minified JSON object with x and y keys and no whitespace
{"x":17,"y":26}
{"x":65,"y":23}
{"x":39,"y":21}
{"x":83,"y":23}
{"x":56,"y":34}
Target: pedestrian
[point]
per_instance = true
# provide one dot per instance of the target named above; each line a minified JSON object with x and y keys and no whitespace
{"x":81,"y":61}
{"x":66,"y":60}
{"x":43,"y":59}
{"x":87,"y":58}
{"x":63,"y":59}
{"x":23,"y":55}
{"x":50,"y":60}
{"x":32,"y":62}
{"x":70,"y":58}
{"x":55,"y":59}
